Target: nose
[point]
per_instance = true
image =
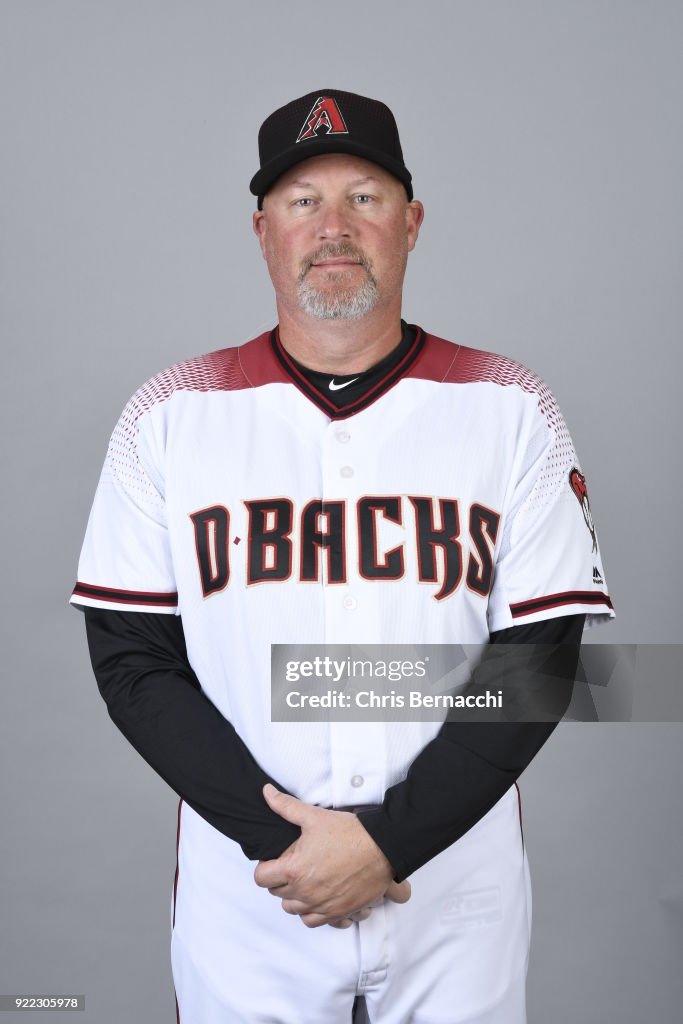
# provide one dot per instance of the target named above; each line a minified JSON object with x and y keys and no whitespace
{"x":334,"y":221}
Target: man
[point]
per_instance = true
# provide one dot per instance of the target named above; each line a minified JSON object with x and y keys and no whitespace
{"x":344,"y":478}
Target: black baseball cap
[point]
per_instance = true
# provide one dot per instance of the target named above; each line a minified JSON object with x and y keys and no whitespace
{"x":328,"y":121}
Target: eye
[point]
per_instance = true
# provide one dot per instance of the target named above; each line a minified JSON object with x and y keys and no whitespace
{"x":363,"y":199}
{"x":300,"y":202}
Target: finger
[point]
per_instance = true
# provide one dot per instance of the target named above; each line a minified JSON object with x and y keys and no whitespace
{"x":361,"y":915}
{"x":270,"y":874}
{"x":398,"y":892}
{"x":314,"y":920}
{"x":297,"y":907}
{"x":287,"y":806}
{"x":344,"y":922}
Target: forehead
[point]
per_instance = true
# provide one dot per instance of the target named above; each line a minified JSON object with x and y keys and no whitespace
{"x":333,"y":167}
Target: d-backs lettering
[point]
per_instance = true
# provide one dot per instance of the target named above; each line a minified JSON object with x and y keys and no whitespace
{"x":277,"y":539}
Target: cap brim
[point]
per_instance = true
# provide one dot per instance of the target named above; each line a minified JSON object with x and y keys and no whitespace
{"x":266,"y":177}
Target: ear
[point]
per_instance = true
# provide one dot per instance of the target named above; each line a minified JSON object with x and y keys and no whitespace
{"x":415,"y":213}
{"x":259,"y":226}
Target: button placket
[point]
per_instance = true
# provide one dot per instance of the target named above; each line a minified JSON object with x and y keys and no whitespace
{"x":357,"y":749}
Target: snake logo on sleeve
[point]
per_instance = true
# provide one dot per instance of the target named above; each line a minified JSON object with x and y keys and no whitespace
{"x":577,"y":482}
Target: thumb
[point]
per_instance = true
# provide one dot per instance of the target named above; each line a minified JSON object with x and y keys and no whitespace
{"x":398,"y":892}
{"x":287,"y":806}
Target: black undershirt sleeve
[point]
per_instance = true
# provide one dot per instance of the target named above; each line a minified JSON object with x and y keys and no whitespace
{"x":470,"y":765}
{"x":154,"y":697}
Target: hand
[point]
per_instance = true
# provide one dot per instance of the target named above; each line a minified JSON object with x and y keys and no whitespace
{"x":359,"y":915}
{"x":332,"y":871}
{"x":396,"y":893}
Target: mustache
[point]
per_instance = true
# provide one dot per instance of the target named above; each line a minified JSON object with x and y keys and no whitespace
{"x":329,"y":252}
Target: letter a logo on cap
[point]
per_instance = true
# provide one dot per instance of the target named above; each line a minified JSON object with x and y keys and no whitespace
{"x":324,"y":114}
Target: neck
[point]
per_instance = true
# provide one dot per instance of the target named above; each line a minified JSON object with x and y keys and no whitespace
{"x":339,"y":346}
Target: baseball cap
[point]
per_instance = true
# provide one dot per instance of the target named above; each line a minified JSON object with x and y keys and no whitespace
{"x":328,"y":121}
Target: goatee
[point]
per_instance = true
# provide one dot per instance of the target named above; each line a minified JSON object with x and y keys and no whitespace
{"x":339,"y":300}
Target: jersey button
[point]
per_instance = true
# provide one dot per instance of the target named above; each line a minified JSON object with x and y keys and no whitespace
{"x":343,"y":436}
{"x":357,"y":781}
{"x":346,"y":471}
{"x":350,"y":603}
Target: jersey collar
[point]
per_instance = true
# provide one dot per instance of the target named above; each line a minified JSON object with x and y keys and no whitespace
{"x":375,"y":390}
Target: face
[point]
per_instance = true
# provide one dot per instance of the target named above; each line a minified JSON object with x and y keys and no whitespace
{"x":335,"y":231}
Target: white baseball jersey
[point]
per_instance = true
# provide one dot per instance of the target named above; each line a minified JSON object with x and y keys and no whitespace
{"x":447,"y":504}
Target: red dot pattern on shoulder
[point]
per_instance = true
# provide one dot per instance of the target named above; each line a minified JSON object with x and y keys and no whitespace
{"x":445,"y":361}
{"x":450,"y":363}
{"x":474,"y":365}
{"x":216,"y":371}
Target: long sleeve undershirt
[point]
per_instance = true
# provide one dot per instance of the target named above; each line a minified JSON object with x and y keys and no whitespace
{"x":154,"y":697}
{"x":470,"y":765}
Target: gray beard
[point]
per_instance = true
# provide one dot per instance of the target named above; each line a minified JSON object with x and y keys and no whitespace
{"x":340,"y":304}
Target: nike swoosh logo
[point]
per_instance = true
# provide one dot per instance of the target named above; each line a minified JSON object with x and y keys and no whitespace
{"x":338,"y":387}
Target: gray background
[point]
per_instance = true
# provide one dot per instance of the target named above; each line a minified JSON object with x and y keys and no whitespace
{"x":544,"y":140}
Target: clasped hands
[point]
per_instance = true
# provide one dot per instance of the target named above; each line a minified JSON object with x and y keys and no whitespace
{"x":334,"y":873}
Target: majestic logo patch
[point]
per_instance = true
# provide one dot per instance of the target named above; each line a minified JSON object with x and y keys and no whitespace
{"x":325,"y":113}
{"x":577,"y":482}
